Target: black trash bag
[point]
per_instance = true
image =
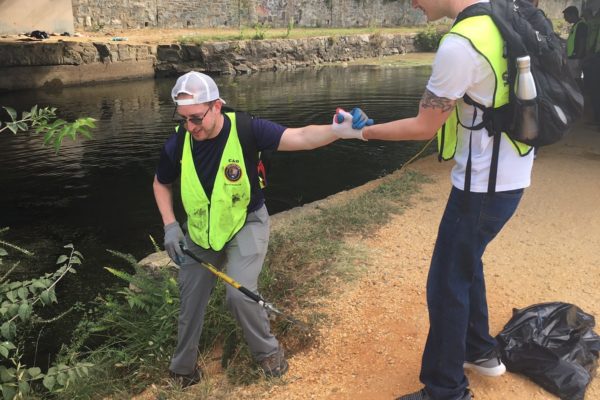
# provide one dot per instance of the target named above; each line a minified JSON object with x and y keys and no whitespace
{"x":554,"y":345}
{"x":39,"y":35}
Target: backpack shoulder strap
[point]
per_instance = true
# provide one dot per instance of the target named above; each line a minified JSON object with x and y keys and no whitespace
{"x":243,"y":122}
{"x":180,"y":132}
{"x":261,"y":159}
{"x":474,"y":10}
{"x":244,"y":130}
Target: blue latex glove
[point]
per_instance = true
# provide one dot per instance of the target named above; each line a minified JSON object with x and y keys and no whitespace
{"x":342,"y":126}
{"x":174,"y":239}
{"x":360,"y":119}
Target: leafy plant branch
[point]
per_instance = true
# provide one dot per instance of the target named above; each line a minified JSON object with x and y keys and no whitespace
{"x":44,"y":120}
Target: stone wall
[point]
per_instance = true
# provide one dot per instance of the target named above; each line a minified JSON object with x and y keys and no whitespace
{"x":68,"y":63}
{"x":128,"y":14}
{"x":246,"y":56}
{"x":37,"y":64}
{"x":99,"y":14}
{"x":55,"y":16}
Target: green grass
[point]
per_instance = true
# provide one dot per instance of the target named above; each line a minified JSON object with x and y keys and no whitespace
{"x":205,"y":35}
{"x":302,"y":256}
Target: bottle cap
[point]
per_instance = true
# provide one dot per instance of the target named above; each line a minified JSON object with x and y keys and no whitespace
{"x":523,"y":61}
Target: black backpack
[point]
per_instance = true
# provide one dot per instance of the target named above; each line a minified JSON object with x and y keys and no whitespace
{"x":262,"y":159}
{"x":527,"y":31}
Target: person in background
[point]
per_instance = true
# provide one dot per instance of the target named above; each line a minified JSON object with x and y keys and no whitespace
{"x":592,"y":21}
{"x":576,"y":42}
{"x":591,"y":64}
{"x":227,"y":221}
{"x":467,"y":70}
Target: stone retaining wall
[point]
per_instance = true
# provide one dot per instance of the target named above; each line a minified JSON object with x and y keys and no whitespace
{"x":36,"y":64}
{"x":129,"y":14}
{"x":73,"y":63}
{"x":99,"y":14}
{"x":245,"y":56}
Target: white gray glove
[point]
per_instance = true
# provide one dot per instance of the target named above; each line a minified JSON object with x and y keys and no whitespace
{"x":342,"y":126}
{"x":174,"y":239}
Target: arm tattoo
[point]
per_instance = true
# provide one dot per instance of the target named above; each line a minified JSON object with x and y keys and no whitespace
{"x":430,"y":100}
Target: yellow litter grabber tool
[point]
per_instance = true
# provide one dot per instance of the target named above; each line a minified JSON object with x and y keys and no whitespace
{"x":257,"y":298}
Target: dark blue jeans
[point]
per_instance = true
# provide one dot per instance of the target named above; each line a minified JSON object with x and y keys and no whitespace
{"x":456,"y":299}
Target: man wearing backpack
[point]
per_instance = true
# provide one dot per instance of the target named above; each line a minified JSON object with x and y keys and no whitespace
{"x":227,"y":221}
{"x":469,"y":64}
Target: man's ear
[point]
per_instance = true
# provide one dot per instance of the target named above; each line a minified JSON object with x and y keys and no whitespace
{"x":218,"y":105}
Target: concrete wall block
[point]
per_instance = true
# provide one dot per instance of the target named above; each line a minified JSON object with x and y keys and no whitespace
{"x":124,"y":52}
{"x":169,"y":53}
{"x":192,"y":52}
{"x":143,"y":53}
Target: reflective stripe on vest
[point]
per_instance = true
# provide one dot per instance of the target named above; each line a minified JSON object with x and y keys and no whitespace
{"x":211,"y":224}
{"x":491,"y":47}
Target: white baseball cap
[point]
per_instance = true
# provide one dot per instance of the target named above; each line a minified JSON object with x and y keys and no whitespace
{"x":201,"y":87}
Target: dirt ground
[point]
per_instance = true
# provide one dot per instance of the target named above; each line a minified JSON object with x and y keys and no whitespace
{"x":132,"y":36}
{"x":549,"y":251}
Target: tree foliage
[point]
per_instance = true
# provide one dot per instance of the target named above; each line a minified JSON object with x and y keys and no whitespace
{"x":44,"y":121}
{"x":20,"y":300}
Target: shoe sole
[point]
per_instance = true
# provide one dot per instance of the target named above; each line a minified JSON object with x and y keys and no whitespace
{"x":495,"y":371}
{"x":278,"y":373}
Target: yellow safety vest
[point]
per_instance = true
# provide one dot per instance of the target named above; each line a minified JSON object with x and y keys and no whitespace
{"x":490,"y":45}
{"x":212,"y":223}
{"x":571,"y":39}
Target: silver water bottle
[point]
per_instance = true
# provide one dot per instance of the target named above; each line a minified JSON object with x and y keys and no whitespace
{"x":525,"y":85}
{"x":527,"y":118}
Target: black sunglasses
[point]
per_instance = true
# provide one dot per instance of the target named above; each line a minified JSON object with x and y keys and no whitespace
{"x":193,"y":119}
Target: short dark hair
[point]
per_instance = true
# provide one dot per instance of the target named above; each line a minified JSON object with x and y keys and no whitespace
{"x":571,"y":10}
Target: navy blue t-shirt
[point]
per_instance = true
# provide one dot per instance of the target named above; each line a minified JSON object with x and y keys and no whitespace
{"x":207,"y":156}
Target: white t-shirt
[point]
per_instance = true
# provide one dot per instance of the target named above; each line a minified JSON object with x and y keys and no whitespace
{"x":458,"y":69}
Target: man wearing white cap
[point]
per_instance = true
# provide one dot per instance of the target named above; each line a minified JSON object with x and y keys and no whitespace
{"x":227,"y":221}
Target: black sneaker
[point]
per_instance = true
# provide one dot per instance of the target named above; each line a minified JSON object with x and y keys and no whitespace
{"x":422,"y":395}
{"x":187,"y":380}
{"x":275,"y":365}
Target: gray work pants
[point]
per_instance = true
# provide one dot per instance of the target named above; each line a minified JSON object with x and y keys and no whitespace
{"x":243,"y":257}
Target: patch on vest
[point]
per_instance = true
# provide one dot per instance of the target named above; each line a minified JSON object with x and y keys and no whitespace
{"x":233,"y":172}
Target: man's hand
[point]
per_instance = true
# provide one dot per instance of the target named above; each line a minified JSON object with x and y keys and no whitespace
{"x":174,"y":238}
{"x":342,"y":126}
